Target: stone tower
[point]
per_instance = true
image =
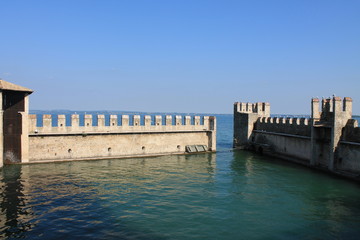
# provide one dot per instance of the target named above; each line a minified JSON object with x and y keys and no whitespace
{"x":14,"y":110}
{"x":327,"y":128}
{"x":245,"y":116}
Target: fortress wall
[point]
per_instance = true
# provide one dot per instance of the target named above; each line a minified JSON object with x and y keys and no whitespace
{"x":295,"y":126}
{"x":329,"y":140}
{"x":95,"y":139}
{"x":349,"y":157}
{"x":41,"y":138}
{"x":351,"y":133}
{"x":354,"y":136}
{"x":348,"y":153}
{"x":291,"y":138}
{"x":285,"y":146}
{"x":87,"y":146}
{"x":286,"y":137}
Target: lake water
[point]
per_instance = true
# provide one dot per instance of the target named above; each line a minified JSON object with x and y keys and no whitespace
{"x":227,"y":195}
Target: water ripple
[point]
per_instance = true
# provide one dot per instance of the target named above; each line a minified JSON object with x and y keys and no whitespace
{"x":229,"y":195}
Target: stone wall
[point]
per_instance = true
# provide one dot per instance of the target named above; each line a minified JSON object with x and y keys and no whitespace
{"x":349,"y":157}
{"x":329,"y":139}
{"x":282,"y":145}
{"x":97,"y":140}
{"x":24,"y":139}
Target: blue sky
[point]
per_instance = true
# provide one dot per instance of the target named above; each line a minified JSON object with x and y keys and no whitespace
{"x":181,"y":55}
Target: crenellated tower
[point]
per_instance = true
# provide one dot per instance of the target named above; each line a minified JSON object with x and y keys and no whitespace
{"x":328,"y":124}
{"x":245,"y":116}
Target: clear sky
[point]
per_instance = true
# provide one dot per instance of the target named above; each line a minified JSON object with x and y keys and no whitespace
{"x":181,"y":55}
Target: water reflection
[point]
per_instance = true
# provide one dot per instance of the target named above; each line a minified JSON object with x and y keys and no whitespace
{"x":205,"y":196}
{"x":311,"y":203}
{"x":15,"y":215}
{"x":90,"y":200}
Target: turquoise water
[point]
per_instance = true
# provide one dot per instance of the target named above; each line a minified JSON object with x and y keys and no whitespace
{"x":227,"y":195}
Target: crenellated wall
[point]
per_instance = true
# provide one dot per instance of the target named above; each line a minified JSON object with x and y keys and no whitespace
{"x":95,"y":139}
{"x":296,"y":126}
{"x":28,"y":138}
{"x":330,"y":139}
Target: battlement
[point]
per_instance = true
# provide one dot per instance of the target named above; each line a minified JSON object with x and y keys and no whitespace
{"x":295,"y":126}
{"x":282,"y":120}
{"x":245,"y":117}
{"x":261,"y":108}
{"x":331,"y":109}
{"x":60,"y":124}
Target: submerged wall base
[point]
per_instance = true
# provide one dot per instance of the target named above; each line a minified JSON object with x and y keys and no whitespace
{"x":304,"y":162}
{"x":109,"y":158}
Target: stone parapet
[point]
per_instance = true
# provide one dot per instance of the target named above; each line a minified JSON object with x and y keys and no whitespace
{"x":51,"y":124}
{"x":296,"y":126}
{"x":261,"y":108}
